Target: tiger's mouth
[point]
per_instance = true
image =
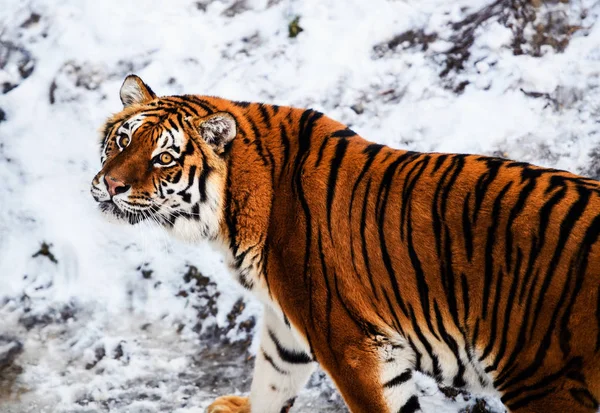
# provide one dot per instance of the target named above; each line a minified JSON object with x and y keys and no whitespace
{"x":131,"y":216}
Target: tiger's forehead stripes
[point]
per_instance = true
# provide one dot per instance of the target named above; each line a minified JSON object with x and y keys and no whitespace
{"x":131,"y":125}
{"x":169,"y":139}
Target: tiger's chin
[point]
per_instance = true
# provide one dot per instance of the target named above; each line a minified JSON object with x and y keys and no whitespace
{"x":190,"y":230}
{"x":114,"y":214}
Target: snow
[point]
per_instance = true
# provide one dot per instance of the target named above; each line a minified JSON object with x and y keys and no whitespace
{"x":112,"y":325}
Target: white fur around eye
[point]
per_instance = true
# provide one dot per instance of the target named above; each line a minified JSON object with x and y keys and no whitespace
{"x":120,"y":140}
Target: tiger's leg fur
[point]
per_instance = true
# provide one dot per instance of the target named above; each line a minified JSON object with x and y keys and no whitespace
{"x":354,"y":364}
{"x":282,"y":368}
{"x":397,"y":377}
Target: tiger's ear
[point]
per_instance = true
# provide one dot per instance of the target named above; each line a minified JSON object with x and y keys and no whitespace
{"x":135,"y":91}
{"x":217,"y":130}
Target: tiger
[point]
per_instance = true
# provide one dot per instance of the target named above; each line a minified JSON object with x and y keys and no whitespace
{"x":376,"y":264}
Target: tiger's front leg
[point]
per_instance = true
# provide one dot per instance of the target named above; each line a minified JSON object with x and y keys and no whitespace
{"x":282,"y":368}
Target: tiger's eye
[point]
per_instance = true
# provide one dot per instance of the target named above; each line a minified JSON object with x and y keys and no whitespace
{"x":124,"y":141}
{"x":165,"y":158}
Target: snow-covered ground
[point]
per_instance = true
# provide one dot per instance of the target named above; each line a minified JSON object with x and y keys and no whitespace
{"x":96,"y":317}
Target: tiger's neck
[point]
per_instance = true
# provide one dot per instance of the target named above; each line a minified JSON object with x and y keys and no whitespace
{"x":265,"y":166}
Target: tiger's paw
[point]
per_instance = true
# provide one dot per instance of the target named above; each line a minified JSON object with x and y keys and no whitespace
{"x":230,"y":404}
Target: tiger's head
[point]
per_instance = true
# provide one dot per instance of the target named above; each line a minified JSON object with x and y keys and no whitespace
{"x":163,"y":160}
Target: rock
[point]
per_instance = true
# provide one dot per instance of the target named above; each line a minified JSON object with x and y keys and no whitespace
{"x":10,"y":348}
{"x":17,"y":63}
{"x":358,"y":108}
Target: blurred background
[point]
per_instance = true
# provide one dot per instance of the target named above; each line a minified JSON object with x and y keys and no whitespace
{"x":96,"y":317}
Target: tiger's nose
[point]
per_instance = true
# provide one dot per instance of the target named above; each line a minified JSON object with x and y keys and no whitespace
{"x":115,"y":186}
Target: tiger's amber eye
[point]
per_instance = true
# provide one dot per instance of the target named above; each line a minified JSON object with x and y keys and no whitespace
{"x":124,"y":141}
{"x":165,"y":158}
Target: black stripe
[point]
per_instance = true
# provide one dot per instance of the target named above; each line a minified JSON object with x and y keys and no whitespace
{"x":266,"y":117}
{"x":189,"y":149}
{"x":173,"y":126}
{"x":465,"y":296}
{"x":272,"y":363}
{"x":307,"y":122}
{"x":321,"y":152}
{"x":196,"y":212}
{"x":438,"y":163}
{"x":343,"y":133}
{"x":459,"y":380}
{"x":257,"y":140}
{"x":494,"y":322}
{"x":524,"y":194}
{"x":264,"y":264}
{"x":585,"y":398}
{"x":185,"y":195}
{"x":448,"y":277}
{"x":400,"y":379}
{"x":328,"y":302}
{"x":418,"y":355}
{"x":488,"y":277}
{"x":363,"y":238}
{"x":369,"y":329}
{"x":484,"y":182}
{"x":411,"y":406}
{"x":442,"y":194}
{"x":230,"y":212}
{"x":203,"y":178}
{"x":509,"y":307}
{"x":271,"y":163}
{"x":306,"y":125}
{"x":437,"y":370}
{"x":289,"y":356}
{"x":407,"y":188}
{"x":396,"y":322}
{"x":340,"y":151}
{"x":285,"y":142}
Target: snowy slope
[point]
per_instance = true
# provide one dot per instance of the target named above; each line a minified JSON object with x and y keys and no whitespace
{"x":124,"y":319}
